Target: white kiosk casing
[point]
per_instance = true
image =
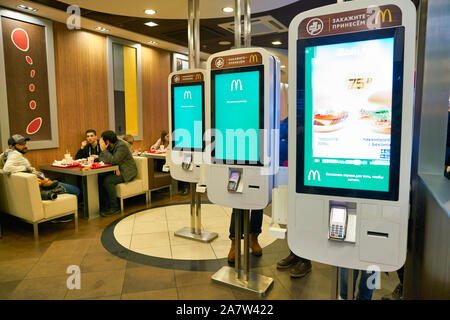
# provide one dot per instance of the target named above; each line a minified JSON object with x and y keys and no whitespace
{"x":377,"y":221}
{"x":256,"y":177}
{"x":190,"y":83}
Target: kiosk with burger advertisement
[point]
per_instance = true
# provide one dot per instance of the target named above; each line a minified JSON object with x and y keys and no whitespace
{"x":351,"y":111}
{"x":187,"y":127}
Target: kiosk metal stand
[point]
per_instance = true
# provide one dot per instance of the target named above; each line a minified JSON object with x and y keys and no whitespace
{"x":242,"y":278}
{"x":335,"y":284}
{"x":195,"y":232}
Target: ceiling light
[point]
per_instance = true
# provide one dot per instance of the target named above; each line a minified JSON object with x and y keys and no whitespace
{"x":102,"y":29}
{"x":283,"y":66}
{"x":153,"y":42}
{"x":276,"y":43}
{"x":149,"y":11}
{"x":21,"y":6}
{"x":227,"y":9}
{"x":151,"y":24}
{"x":224,"y":43}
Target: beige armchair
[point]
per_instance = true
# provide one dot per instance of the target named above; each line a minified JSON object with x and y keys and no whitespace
{"x":137,"y":186}
{"x":20,"y":197}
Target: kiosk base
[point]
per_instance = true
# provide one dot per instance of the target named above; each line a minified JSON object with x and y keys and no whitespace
{"x":255,"y":283}
{"x":204,"y":236}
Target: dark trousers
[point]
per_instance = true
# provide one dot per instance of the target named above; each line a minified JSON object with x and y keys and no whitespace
{"x":256,"y":218}
{"x":107,"y":190}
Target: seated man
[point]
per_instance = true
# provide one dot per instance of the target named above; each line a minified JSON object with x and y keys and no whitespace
{"x":16,"y":162}
{"x":116,"y":152}
{"x":89,"y":147}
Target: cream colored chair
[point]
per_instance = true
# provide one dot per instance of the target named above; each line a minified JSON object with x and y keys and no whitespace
{"x":137,"y":186}
{"x":20,"y":197}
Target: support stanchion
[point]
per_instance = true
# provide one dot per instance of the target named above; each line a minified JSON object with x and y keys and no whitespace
{"x":242,"y":278}
{"x":335,"y":284}
{"x":350,"y":285}
{"x":195,"y":232}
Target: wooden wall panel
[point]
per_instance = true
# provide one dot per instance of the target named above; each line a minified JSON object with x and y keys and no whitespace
{"x":81,"y":89}
{"x":82,"y":93}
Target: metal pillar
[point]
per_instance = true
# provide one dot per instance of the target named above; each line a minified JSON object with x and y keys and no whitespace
{"x":242,"y":278}
{"x":237,"y":24}
{"x":195,"y":232}
{"x":247,"y":24}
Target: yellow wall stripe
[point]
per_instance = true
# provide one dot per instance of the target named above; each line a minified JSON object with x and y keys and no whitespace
{"x":131,"y":100}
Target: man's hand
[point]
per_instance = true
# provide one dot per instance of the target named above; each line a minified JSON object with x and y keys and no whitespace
{"x":103,"y":145}
{"x":94,"y":156}
{"x":83,"y":144}
{"x":117,"y":172}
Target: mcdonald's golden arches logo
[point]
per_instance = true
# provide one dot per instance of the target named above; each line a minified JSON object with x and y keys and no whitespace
{"x":383,"y":13}
{"x":253,"y":58}
{"x":198,"y":76}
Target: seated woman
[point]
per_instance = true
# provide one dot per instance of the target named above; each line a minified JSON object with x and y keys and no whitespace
{"x":162,"y":143}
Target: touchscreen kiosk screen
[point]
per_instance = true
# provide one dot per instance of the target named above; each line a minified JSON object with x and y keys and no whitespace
{"x":237,"y":115}
{"x":187,"y":117}
{"x":348,"y":113}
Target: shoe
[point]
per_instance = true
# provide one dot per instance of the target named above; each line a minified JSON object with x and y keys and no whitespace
{"x":254,"y":245}
{"x":300,"y":269}
{"x":397,"y":294}
{"x":110,"y":212}
{"x":288,"y":261}
{"x":232,"y":253}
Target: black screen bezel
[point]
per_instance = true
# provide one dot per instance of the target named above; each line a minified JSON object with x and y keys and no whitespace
{"x":397,"y":89}
{"x":186,"y":84}
{"x":259,"y":68}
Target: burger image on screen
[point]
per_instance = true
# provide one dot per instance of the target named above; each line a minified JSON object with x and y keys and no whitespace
{"x":378,"y":111}
{"x":327,"y":120}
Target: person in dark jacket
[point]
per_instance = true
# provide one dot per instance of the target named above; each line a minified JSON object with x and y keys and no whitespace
{"x":116,"y":152}
{"x":89,"y":147}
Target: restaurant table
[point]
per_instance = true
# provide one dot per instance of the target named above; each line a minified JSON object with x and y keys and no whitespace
{"x":89,"y":185}
{"x":161,"y":156}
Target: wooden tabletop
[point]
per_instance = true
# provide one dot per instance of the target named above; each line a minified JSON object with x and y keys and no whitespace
{"x":77,"y":170}
{"x":153,"y":155}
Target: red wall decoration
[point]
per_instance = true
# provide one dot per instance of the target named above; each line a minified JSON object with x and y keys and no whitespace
{"x":25,"y":57}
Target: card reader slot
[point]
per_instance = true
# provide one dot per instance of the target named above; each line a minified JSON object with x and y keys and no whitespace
{"x":253,"y":187}
{"x":378,"y":234}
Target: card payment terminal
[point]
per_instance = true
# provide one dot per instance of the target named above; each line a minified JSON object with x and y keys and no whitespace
{"x":338,"y":223}
{"x":233,"y":181}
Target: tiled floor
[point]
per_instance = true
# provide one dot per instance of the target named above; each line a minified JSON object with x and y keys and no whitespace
{"x":30,"y":270}
{"x":151,"y":232}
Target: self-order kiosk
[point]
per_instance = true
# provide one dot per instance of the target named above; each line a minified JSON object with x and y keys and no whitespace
{"x":351,"y":77}
{"x":186,"y":124}
{"x":243,"y":104}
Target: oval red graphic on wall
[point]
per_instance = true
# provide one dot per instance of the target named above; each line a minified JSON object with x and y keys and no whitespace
{"x":32,"y":73}
{"x":32,"y":87}
{"x":29,"y":60}
{"x":33,"y":104}
{"x":20,"y":39}
{"x":34,"y":126}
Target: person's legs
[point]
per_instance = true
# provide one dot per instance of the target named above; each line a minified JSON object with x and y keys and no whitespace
{"x":109,"y":184}
{"x":232,"y":225}
{"x":71,"y":189}
{"x":366,"y":285}
{"x":256,"y":219}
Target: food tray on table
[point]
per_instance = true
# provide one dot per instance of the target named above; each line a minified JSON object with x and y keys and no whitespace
{"x":72,"y":165}
{"x":96,"y":165}
{"x":156,"y":152}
